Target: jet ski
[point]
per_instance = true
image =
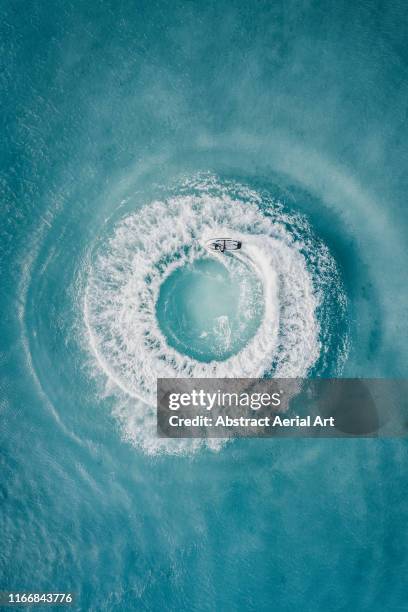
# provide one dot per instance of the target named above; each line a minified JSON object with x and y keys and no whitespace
{"x":221,"y":245}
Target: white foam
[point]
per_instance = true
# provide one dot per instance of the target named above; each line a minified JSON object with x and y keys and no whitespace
{"x":146,"y":246}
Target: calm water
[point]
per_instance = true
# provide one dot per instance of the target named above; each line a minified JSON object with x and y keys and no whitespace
{"x":132,"y":132}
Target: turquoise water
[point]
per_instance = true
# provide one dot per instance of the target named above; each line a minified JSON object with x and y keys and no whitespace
{"x":201,"y":313}
{"x":132,"y":132}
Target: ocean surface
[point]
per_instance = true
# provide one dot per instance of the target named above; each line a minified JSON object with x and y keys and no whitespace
{"x":132,"y":133}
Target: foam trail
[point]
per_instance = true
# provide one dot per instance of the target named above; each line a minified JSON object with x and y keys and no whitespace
{"x":146,"y":246}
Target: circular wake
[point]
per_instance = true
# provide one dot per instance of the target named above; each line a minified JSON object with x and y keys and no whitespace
{"x":299,"y":283}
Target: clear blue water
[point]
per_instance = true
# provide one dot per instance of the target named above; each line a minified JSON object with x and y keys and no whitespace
{"x":200,"y":313}
{"x":292,"y":111}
